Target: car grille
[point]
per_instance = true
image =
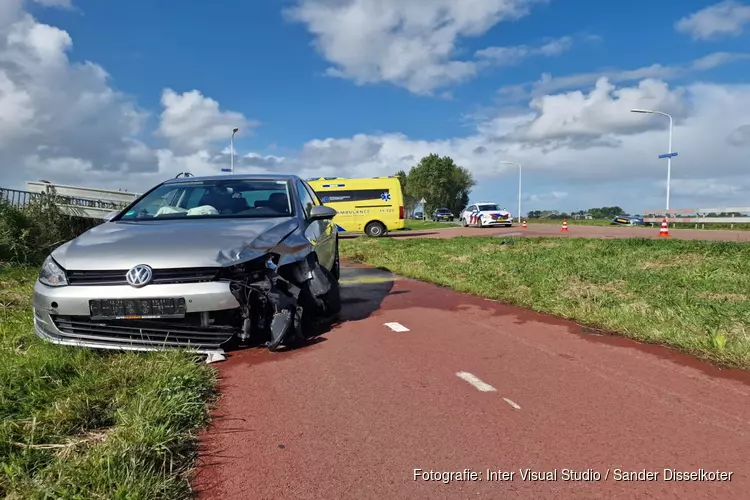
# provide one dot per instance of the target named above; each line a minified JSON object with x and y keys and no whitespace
{"x":143,"y":333}
{"x":161,"y":276}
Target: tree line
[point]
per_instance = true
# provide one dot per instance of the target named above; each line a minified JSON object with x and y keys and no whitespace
{"x":444,"y":184}
{"x":438,"y":180}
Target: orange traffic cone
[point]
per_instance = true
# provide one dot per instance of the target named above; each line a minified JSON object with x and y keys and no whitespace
{"x":664,"y":231}
{"x":523,"y":225}
{"x":564,"y":226}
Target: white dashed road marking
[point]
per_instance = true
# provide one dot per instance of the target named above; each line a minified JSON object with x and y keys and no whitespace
{"x":514,"y":405}
{"x":478,"y":384}
{"x":396,"y":327}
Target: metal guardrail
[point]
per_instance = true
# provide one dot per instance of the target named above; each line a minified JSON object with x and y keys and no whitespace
{"x":700,"y":215}
{"x":77,"y":201}
{"x":16,"y":197}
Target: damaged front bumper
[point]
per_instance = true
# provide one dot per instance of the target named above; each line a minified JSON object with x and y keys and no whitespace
{"x":62,"y":316}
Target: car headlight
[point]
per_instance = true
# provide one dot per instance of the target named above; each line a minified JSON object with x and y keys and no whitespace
{"x":52,"y":274}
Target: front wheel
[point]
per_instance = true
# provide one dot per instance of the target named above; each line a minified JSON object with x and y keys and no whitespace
{"x":375,"y":229}
{"x":332,"y":299}
{"x":336,"y":271}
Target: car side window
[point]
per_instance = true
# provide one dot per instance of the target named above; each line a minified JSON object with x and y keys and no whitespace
{"x":305,"y":198}
{"x":313,"y":194}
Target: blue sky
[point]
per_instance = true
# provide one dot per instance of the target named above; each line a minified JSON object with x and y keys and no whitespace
{"x":394,"y":100}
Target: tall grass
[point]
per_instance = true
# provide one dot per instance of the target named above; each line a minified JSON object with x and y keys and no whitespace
{"x":691,"y":295}
{"x":77,"y":423}
{"x":29,"y":233}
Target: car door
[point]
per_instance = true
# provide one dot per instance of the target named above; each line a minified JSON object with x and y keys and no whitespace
{"x":469,"y":210}
{"x":320,"y":232}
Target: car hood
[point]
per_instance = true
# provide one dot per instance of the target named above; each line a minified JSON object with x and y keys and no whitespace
{"x":504,"y":213}
{"x":173,"y":244}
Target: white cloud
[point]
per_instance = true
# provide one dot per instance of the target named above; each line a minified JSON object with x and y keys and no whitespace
{"x":409,"y":44}
{"x":191,"y":121}
{"x":61,"y":120}
{"x":52,"y":109}
{"x":545,"y":199}
{"x":727,"y":18}
{"x":605,"y":111}
{"x":506,"y":56}
{"x":66,"y":4}
{"x":549,"y":84}
{"x":585,"y":144}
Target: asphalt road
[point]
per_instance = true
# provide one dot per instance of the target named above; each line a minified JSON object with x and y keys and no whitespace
{"x":472,"y":384}
{"x":553,"y":230}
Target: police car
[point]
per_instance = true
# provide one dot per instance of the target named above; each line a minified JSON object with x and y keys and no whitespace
{"x":486,"y":214}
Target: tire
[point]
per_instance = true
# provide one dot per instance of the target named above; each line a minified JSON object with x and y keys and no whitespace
{"x":375,"y":229}
{"x":479,"y":223}
{"x":332,"y":299}
{"x":463,"y":222}
{"x":336,"y":271}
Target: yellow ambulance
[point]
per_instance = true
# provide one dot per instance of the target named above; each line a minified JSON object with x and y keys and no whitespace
{"x":374,"y":206}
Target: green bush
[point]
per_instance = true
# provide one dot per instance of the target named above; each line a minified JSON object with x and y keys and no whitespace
{"x":29,"y":233}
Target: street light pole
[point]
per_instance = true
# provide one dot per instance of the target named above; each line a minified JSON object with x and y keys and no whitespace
{"x":519,"y":184}
{"x":669,"y":154}
{"x":231,"y":147}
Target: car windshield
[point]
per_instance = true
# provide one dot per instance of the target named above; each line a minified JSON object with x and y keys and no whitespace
{"x":489,"y":206}
{"x":225,"y":198}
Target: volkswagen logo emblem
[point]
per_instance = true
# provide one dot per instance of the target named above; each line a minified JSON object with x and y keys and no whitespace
{"x":139,"y":276}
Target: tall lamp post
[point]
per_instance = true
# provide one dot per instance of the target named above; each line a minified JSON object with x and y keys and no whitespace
{"x":669,"y":154}
{"x":519,"y":184}
{"x":231,"y":146}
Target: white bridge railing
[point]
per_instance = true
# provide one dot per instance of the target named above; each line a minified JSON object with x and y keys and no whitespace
{"x":700,"y":215}
{"x":78,"y":201}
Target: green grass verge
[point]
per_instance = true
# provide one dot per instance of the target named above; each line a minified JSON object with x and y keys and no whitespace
{"x":75,"y":423}
{"x":415,"y":224}
{"x":690,"y":295}
{"x":672,"y":225}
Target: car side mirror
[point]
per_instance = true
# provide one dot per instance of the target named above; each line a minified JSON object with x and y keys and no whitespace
{"x":322,"y":212}
{"x":110,"y":215}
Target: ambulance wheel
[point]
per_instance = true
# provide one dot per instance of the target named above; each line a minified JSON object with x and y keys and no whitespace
{"x":375,"y":229}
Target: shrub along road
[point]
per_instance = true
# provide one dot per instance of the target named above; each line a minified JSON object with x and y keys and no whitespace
{"x":470,"y":383}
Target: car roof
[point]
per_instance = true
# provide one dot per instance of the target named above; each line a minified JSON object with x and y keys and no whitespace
{"x":238,"y":177}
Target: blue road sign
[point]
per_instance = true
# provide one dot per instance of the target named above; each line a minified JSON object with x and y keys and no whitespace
{"x":226,"y":169}
{"x":667,"y":155}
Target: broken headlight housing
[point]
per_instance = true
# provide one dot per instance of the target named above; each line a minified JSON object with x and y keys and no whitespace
{"x":255,"y":270}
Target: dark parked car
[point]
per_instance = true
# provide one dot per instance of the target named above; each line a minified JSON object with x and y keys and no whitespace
{"x":442,"y":214}
{"x":628,"y":220}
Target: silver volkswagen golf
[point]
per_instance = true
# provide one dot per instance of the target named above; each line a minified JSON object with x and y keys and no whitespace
{"x":199,"y":262}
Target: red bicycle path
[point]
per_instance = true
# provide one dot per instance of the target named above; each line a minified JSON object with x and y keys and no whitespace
{"x":352,"y":415}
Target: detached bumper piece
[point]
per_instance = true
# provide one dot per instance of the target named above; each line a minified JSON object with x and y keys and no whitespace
{"x":287,"y":315}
